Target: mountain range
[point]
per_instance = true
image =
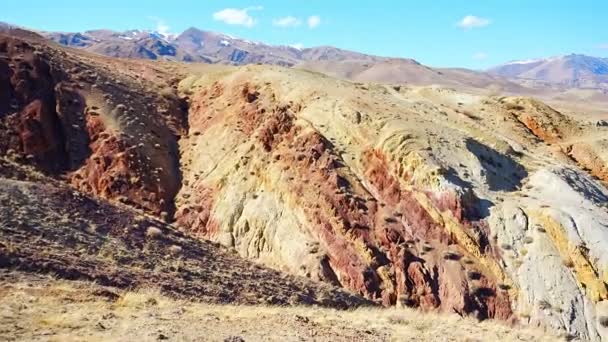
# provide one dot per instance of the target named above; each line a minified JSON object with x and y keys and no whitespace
{"x":195,"y":45}
{"x":572,"y":70}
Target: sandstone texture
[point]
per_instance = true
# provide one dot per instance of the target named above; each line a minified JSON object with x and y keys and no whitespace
{"x":426,"y":197}
{"x":409,"y":196}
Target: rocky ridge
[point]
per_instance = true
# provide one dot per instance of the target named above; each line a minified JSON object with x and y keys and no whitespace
{"x":413,"y":196}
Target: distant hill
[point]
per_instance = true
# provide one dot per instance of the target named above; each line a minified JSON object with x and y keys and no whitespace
{"x":409,"y":71}
{"x":573,"y":70}
{"x":533,"y":77}
{"x":194,"y":45}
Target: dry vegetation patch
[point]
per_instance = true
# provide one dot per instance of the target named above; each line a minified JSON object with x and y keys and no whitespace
{"x":43,"y":308}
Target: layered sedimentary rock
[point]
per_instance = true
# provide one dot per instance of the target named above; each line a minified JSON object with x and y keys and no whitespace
{"x":108,"y":134}
{"x":426,"y":197}
{"x":419,"y":197}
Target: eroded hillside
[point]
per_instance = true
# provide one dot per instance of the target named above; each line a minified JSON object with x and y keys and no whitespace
{"x":412,"y":196}
{"x":112,"y":134}
{"x":50,"y":229}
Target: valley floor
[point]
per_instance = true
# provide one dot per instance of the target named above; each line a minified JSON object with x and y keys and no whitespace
{"x":39,"y":308}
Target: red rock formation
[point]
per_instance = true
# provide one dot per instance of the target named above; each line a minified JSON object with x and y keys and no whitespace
{"x":585,"y":155}
{"x":380,"y":240}
{"x":44,"y":120}
{"x":543,"y":131}
{"x":195,"y":213}
{"x":30,"y":120}
{"x":384,"y":244}
{"x":439,"y":279}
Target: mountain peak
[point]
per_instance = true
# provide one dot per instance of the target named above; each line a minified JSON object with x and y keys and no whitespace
{"x":574,"y":69}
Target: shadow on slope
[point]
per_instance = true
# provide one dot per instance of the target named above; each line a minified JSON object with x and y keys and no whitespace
{"x":501,"y":172}
{"x":46,"y":227}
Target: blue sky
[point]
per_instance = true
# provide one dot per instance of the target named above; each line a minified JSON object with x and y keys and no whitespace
{"x":447,"y":33}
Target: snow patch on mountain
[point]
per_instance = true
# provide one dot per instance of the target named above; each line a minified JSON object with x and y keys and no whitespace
{"x":534,"y":60}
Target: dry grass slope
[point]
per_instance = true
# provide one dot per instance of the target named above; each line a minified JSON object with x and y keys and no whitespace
{"x":49,"y":228}
{"x":45,"y":309}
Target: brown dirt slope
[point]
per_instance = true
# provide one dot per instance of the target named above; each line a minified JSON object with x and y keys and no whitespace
{"x":46,"y":227}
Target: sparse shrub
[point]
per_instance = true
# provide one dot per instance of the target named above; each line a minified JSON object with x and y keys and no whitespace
{"x":427,"y":248}
{"x":470,"y":115}
{"x":154,"y":232}
{"x":468,"y":261}
{"x":473,"y":275}
{"x":568,"y":263}
{"x":504,"y":287}
{"x":514,"y":106}
{"x":390,"y":220}
{"x":528,"y":240}
{"x":175,"y":250}
{"x":168,"y":93}
{"x":451,"y":255}
{"x":164,"y":215}
{"x":151,"y":301}
{"x":544,"y":305}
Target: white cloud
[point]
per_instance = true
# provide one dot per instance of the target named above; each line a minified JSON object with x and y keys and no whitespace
{"x":471,"y":21}
{"x":298,"y":46}
{"x":288,"y":21}
{"x":163,"y":29}
{"x":602,"y":46}
{"x":235,"y":16}
{"x":161,"y":26}
{"x":314,"y":21}
{"x":480,"y":56}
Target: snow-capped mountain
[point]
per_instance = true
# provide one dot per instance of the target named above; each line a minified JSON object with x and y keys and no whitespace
{"x":194,"y":45}
{"x":573,"y":70}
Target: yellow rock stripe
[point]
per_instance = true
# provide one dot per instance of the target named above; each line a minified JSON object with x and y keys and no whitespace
{"x":583,"y":269}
